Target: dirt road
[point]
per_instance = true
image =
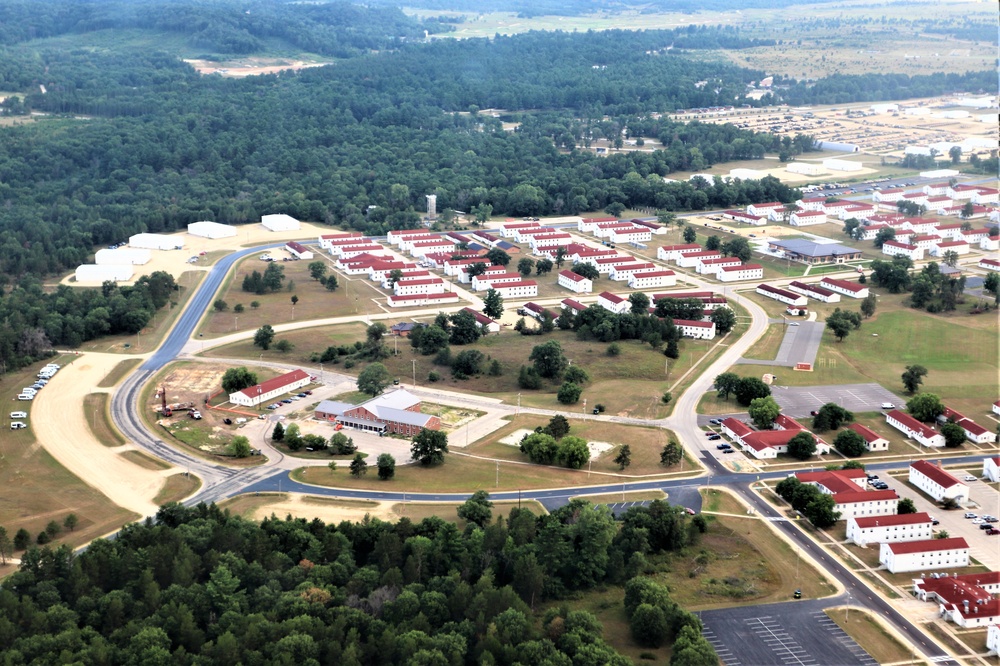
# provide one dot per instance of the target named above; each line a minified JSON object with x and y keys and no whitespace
{"x":60,"y":425}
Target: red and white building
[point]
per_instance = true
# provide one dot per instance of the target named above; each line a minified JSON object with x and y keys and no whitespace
{"x":767,"y":444}
{"x":873,"y":440}
{"x":623,"y":272}
{"x":692,"y":259}
{"x":675,"y":252}
{"x":914,"y":429}
{"x":492,"y":280}
{"x":991,"y":468}
{"x":351,"y":251}
{"x":397,"y":412}
{"x":453,"y":267}
{"x":554,"y":239}
{"x":510,"y":229}
{"x":709,"y":300}
{"x":942,"y":248}
{"x":536,"y":311}
{"x":741,"y":272}
{"x":574,"y":282}
{"x":652,"y":279}
{"x":765,"y":209}
{"x":271,"y":389}
{"x":903,"y":556}
{"x":968,"y":600}
{"x":519,"y":289}
{"x":483,"y":320}
{"x":613,"y":302}
{"x":814,"y":291}
{"x":866,"y":503}
{"x":782,"y":295}
{"x":939,"y":484}
{"x":575,"y":307}
{"x":326,"y":240}
{"x":699,"y":330}
{"x":845,"y":287}
{"x":395,"y":236}
{"x":418,"y":285}
{"x":420,"y":248}
{"x":712,"y":266}
{"x":891,"y":195}
{"x":812,"y":203}
{"x":885,"y":529}
{"x":893,"y":248}
{"x":654,"y":228}
{"x":745,"y":217}
{"x":991,"y":243}
{"x":805,"y":218}
{"x":525,"y":235}
{"x":380,"y":270}
{"x":422,"y":300}
{"x":957,"y":211}
{"x":408,"y":273}
{"x":588,"y":225}
{"x":925,"y":242}
{"x":608,"y":264}
{"x":634,"y":234}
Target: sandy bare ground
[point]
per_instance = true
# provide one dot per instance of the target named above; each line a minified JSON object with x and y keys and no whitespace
{"x":250,"y":66}
{"x":176,"y":263}
{"x":60,"y":426}
{"x":329,"y":512}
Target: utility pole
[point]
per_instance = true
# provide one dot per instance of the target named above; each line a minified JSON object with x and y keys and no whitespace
{"x":414,"y":361}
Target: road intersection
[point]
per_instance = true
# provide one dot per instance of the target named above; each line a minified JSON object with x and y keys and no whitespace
{"x":220,"y":482}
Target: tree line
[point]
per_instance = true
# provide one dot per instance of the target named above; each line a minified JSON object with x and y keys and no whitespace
{"x":198,"y":585}
{"x":36,"y":320}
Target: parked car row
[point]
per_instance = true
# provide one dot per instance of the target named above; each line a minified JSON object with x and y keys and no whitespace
{"x":44,"y":375}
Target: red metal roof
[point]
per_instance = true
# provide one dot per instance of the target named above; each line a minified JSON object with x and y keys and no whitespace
{"x":935,"y":473}
{"x":275,"y":383}
{"x":927,"y":545}
{"x":572,"y":276}
{"x":844,"y":284}
{"x":614,"y":298}
{"x":889,"y":521}
{"x":868,"y":434}
{"x":853,"y":497}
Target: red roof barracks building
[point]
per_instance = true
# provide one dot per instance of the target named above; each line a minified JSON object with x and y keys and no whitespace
{"x":397,"y":412}
{"x":272,"y":388}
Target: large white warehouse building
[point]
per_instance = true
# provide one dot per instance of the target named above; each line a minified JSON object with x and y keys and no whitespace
{"x":156,"y":242}
{"x":99,"y":274}
{"x":122,"y":255}
{"x":211,"y":230}
{"x":280,"y":222}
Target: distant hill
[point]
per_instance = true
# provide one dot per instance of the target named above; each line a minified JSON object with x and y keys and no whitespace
{"x":226,"y":27}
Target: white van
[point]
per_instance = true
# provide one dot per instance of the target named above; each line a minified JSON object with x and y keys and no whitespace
{"x":888,"y":405}
{"x":19,"y":415}
{"x":29,"y":390}
{"x":26,"y":396}
{"x":17,"y":425}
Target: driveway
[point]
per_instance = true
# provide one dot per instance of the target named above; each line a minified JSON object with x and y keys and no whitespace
{"x":800,"y":344}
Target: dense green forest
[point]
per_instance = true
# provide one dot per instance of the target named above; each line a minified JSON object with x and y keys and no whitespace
{"x":528,"y":8}
{"x":132,"y":139}
{"x":337,"y":28}
{"x":199,"y":586}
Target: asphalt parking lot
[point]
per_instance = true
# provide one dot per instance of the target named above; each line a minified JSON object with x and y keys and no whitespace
{"x":799,"y":345}
{"x":796,"y":632}
{"x":798,"y":401}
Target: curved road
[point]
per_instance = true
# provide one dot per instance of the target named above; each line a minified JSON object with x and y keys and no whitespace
{"x":220,"y":482}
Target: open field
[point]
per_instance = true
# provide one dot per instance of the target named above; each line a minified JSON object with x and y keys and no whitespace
{"x":354,"y":296}
{"x":305,"y":340}
{"x":119,"y":372}
{"x":463,"y":473}
{"x":143,"y":459}
{"x":766,"y":347}
{"x":629,"y":384}
{"x":95,"y":409}
{"x":869,"y":634}
{"x":646,"y":444}
{"x":177,"y":487}
{"x":960,"y":352}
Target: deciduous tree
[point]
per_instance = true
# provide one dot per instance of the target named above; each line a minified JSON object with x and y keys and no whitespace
{"x":374,"y":379}
{"x":429,"y":447}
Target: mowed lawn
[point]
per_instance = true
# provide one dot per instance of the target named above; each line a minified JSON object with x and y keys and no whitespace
{"x":960,"y":352}
{"x":645,"y":444}
{"x":354,"y":295}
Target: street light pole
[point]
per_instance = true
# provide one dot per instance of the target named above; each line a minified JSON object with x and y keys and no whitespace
{"x":414,"y":362}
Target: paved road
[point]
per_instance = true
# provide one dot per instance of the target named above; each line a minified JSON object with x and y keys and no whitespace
{"x":799,"y":345}
{"x":220,"y":482}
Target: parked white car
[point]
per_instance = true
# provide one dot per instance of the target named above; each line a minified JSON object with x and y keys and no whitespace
{"x":18,"y":425}
{"x":19,"y":415}
{"x":26,"y":396}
